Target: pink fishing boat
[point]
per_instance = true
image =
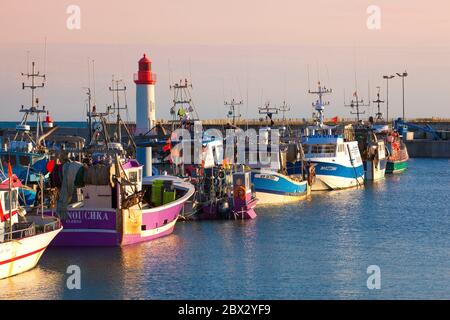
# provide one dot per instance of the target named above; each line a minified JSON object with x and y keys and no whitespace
{"x":122,"y":209}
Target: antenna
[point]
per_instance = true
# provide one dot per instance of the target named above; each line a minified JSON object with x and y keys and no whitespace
{"x":268,"y":111}
{"x":232,"y":113}
{"x":116,"y":89}
{"x":309,"y":83}
{"x":34,"y":109}
{"x":319,"y":105}
{"x":181,"y":97}
{"x":379,"y":114}
{"x":284,"y":108}
{"x":93,"y":80}
{"x":356,"y":103}
{"x":45,"y":54}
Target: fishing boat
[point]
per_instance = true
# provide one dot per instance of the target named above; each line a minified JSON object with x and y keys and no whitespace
{"x":334,"y":153}
{"x":105,"y":200}
{"x":397,"y":160}
{"x":272,"y":187}
{"x":272,"y":183}
{"x":373,"y":151}
{"x":23,"y":238}
{"x":116,"y":205}
{"x":221,"y":192}
{"x":25,"y":150}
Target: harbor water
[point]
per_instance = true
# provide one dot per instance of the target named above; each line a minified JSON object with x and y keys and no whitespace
{"x":319,"y":248}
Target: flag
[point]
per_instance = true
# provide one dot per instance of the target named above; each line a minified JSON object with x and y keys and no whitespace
{"x":167,"y":146}
{"x":10,"y":171}
{"x":335,"y":119}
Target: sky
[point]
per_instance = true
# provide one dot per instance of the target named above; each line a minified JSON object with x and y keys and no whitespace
{"x":250,"y":50}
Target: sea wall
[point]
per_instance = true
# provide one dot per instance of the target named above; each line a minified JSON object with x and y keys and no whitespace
{"x":424,"y":148}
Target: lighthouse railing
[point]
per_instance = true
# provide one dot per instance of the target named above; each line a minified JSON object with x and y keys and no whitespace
{"x":144,"y":76}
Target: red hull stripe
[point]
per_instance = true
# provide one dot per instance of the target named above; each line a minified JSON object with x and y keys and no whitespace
{"x":22,"y":256}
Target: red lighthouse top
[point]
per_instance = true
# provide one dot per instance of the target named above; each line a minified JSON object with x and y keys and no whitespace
{"x":145,"y":75}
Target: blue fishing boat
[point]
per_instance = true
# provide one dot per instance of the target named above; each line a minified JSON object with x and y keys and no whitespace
{"x":25,"y":150}
{"x":272,"y":187}
{"x":272,"y":184}
{"x":334,"y":155}
{"x":337,"y":162}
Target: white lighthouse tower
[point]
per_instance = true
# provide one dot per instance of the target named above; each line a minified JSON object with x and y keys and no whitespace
{"x":145,"y":108}
{"x":145,"y":96}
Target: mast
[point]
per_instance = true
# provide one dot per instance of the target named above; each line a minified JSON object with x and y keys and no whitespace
{"x":268,"y":111}
{"x":89,"y":113}
{"x":116,"y":89}
{"x":284,"y":108}
{"x":319,"y":104}
{"x":356,"y":103}
{"x":182,"y":103}
{"x":232,"y":112}
{"x":34,"y":76}
{"x":379,"y":114}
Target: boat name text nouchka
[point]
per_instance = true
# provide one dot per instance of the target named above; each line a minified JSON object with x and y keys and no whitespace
{"x":88,"y":215}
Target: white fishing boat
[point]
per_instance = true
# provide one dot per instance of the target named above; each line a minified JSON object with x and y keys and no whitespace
{"x":23,"y":239}
{"x":335,"y":155}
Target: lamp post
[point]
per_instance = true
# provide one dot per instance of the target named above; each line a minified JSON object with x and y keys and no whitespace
{"x":387,"y":95}
{"x":403,"y":76}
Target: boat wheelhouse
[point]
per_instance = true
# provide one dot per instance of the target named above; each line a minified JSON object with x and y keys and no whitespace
{"x":337,"y":162}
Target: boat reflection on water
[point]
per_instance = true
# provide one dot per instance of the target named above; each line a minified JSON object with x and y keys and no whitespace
{"x":107,"y":272}
{"x":39,"y":283}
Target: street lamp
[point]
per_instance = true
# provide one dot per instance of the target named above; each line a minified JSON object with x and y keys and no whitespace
{"x":403,"y":76}
{"x":387,"y":95}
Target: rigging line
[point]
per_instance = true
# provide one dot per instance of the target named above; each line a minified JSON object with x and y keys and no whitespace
{"x":328,"y":75}
{"x":309,"y":81}
{"x":318,"y":71}
{"x":246,"y":101}
{"x":45,"y":55}
{"x":190,"y":73}
{"x":223,"y":89}
{"x":89,"y":72}
{"x":239,"y":88}
{"x":93,"y":80}
{"x":28,"y":61}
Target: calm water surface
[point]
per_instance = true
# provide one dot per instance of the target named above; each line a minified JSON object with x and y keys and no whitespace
{"x":316,"y":249}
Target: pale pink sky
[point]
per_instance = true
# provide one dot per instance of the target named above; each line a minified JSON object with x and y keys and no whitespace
{"x":233,"y":47}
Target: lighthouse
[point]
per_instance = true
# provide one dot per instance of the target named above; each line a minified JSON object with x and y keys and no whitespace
{"x":145,"y":96}
{"x":145,"y":82}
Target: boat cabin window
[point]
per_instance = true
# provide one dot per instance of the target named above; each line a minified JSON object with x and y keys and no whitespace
{"x":11,"y":159}
{"x":133,"y":175}
{"x":323,"y":148}
{"x":340,"y":147}
{"x":24,"y":160}
{"x":14,"y":200}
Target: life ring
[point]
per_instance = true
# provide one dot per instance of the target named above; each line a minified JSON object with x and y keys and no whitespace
{"x":240,"y":191}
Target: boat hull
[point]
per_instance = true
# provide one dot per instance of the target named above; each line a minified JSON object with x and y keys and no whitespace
{"x":211,"y":212}
{"x":276,"y":188}
{"x":100,"y":227}
{"x":375,"y":170}
{"x":330,"y":176}
{"x":394,"y":167}
{"x":21,"y":255}
{"x":113,"y":227}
